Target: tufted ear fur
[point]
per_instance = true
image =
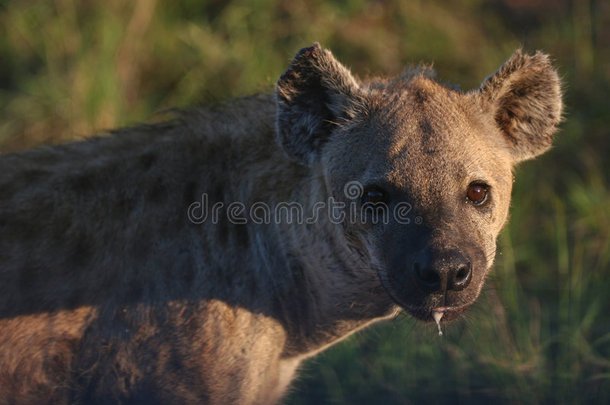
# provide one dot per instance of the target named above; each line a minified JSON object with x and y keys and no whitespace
{"x":524,"y":96}
{"x":311,"y":97}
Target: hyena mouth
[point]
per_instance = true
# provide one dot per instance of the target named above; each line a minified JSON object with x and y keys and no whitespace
{"x":444,"y":314}
{"x":448,"y":313}
{"x":438,"y":314}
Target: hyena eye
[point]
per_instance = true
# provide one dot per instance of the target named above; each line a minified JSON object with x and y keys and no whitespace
{"x":477,"y":193}
{"x":374,"y":195}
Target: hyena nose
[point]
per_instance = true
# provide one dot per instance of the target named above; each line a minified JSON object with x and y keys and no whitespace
{"x":445,"y":271}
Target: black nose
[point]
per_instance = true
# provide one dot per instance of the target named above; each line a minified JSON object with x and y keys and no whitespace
{"x":444,"y":270}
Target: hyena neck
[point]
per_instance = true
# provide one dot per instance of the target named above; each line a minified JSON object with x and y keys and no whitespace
{"x":306,"y":275}
{"x":334,"y":291}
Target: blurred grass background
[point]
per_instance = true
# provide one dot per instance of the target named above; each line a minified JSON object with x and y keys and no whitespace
{"x":540,"y":333}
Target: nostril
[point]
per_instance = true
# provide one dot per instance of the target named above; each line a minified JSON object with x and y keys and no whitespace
{"x":462,"y":276}
{"x":427,"y":277}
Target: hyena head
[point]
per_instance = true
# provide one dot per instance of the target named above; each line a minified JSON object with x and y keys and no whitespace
{"x":413,"y":146}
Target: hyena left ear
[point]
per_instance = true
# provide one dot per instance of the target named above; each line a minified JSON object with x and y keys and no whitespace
{"x":312,"y":96}
{"x":524,"y":96}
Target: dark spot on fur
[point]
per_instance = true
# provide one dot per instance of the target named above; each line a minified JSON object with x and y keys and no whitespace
{"x":141,"y":243}
{"x":124,"y":206}
{"x":420,"y":96}
{"x":108,"y":283}
{"x":33,"y":175}
{"x":16,"y":228}
{"x":241,"y":234}
{"x":81,"y":254}
{"x":298,"y":273}
{"x":148,"y":160}
{"x":74,"y":299}
{"x":427,"y":133}
{"x":135,"y":290}
{"x":425,"y":127}
{"x":61,"y":225}
{"x":190,"y":321}
{"x":29,"y":277}
{"x":189,"y":195}
{"x":58,"y":360}
{"x":158,"y":191}
{"x":189,"y":272}
{"x":7,"y":190}
{"x":175,"y":360}
{"x":217,"y":194}
{"x":180,"y":272}
{"x":222,"y":228}
{"x":81,"y":183}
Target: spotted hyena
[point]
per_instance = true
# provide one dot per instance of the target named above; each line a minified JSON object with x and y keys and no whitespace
{"x":149,"y":266}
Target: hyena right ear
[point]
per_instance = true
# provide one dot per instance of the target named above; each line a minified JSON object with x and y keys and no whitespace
{"x":524,"y":98}
{"x":312,"y":96}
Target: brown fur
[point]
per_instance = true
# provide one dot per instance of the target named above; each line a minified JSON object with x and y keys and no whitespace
{"x":110,"y":293}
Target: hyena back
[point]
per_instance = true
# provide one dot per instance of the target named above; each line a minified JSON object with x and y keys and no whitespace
{"x":128,"y":273}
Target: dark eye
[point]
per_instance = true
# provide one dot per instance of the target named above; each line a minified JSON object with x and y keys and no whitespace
{"x":374,"y":195}
{"x":477,"y":193}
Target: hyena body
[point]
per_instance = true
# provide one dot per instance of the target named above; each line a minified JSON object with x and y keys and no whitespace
{"x":113,"y":290}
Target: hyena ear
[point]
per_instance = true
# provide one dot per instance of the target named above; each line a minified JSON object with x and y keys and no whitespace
{"x":312,"y":96}
{"x":524,"y":96}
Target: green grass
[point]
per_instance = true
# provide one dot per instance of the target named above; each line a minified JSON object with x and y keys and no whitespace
{"x":541,"y":331}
